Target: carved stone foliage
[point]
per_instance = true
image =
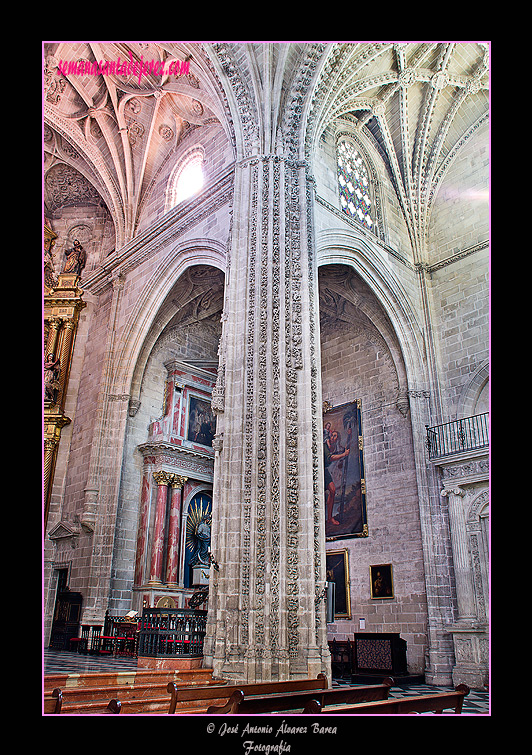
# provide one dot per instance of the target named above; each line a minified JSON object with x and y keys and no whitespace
{"x":64,"y":185}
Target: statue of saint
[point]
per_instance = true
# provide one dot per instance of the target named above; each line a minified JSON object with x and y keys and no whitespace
{"x":76,"y":259}
{"x":203,"y":539}
{"x":50,"y":278}
{"x":51,"y":378}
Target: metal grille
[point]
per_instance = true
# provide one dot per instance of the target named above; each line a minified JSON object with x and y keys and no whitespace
{"x":465,"y":434}
{"x":172,"y":631}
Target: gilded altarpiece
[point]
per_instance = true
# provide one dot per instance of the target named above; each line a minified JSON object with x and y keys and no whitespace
{"x":62,"y":306}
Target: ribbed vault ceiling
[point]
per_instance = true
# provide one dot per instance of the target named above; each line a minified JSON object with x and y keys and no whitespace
{"x":418,"y":102}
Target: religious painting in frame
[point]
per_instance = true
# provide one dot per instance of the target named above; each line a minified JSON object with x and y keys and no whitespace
{"x":201,"y":421}
{"x":343,"y":467}
{"x":381,"y":581}
{"x":337,"y":568}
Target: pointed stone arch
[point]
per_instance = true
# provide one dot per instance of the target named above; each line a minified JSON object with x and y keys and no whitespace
{"x":151,"y":314}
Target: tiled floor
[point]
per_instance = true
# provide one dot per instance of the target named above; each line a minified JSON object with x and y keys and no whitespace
{"x":74,"y":663}
{"x":55,"y":662}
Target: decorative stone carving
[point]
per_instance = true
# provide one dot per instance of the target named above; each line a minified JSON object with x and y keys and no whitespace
{"x":135,"y":131}
{"x":64,"y":185}
{"x":166,"y":132}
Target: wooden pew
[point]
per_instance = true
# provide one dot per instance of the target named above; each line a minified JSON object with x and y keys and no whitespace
{"x":115,"y":706}
{"x":53,"y":705}
{"x":240,"y":702}
{"x":433,"y":703}
{"x":199,"y":699}
{"x":138,"y":691}
{"x":53,"y":702}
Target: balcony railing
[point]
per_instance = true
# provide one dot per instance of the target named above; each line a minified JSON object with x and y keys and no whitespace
{"x":467,"y":434}
{"x":172,"y":631}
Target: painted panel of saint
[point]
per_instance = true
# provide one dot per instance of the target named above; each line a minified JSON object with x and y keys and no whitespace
{"x":345,"y":493}
{"x":201,"y":422}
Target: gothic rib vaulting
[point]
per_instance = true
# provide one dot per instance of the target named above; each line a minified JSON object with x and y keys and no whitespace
{"x":266,"y":346}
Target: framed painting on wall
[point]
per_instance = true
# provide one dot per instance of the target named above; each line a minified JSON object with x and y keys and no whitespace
{"x":337,"y":567}
{"x":381,"y":581}
{"x":343,"y":467}
{"x":201,"y":421}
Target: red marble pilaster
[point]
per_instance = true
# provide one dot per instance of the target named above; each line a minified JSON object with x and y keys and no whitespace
{"x":142,"y":534}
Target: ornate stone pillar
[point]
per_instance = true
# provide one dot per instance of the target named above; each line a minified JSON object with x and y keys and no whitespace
{"x":465,"y":478}
{"x":54,"y":324}
{"x":174,"y":529}
{"x":163,"y":480}
{"x":266,"y":619}
{"x":463,"y":571}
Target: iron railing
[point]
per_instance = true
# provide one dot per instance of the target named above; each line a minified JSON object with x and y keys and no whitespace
{"x":467,"y":434}
{"x":172,"y":631}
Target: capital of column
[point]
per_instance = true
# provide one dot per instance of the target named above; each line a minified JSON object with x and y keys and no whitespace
{"x":452,"y":491}
{"x":178,"y":481}
{"x":162,"y":478}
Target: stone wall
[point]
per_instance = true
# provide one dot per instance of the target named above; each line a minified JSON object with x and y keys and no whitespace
{"x":356,"y":364}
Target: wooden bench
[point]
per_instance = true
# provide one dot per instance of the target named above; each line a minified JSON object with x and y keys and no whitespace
{"x":199,"y":699}
{"x":138,"y":691}
{"x":53,"y":702}
{"x":53,"y":705}
{"x":240,"y":702}
{"x":433,"y":703}
{"x":141,"y":698}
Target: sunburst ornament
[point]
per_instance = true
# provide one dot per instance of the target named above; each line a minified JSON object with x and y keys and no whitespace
{"x":198,"y":531}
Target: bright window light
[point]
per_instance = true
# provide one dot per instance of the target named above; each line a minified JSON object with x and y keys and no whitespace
{"x":190,"y":180}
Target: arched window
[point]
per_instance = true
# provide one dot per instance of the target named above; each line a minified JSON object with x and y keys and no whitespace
{"x":187,"y":178}
{"x":353,"y":184}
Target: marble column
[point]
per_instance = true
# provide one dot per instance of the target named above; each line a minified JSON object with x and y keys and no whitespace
{"x":174,"y":529}
{"x":163,"y":480}
{"x":142,"y":534}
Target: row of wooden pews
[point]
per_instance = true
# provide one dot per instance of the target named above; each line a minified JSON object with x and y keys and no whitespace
{"x":301,"y":701}
{"x":154,"y":694}
{"x":364,"y":700}
{"x":135,"y":691}
{"x":215,"y":699}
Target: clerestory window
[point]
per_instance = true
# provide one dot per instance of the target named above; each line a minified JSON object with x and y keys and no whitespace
{"x":354,"y":185}
{"x":187,"y":178}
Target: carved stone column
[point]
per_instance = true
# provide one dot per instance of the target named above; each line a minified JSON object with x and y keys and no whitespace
{"x":465,"y":478}
{"x":174,"y":529}
{"x":266,"y":620}
{"x":463,"y":571}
